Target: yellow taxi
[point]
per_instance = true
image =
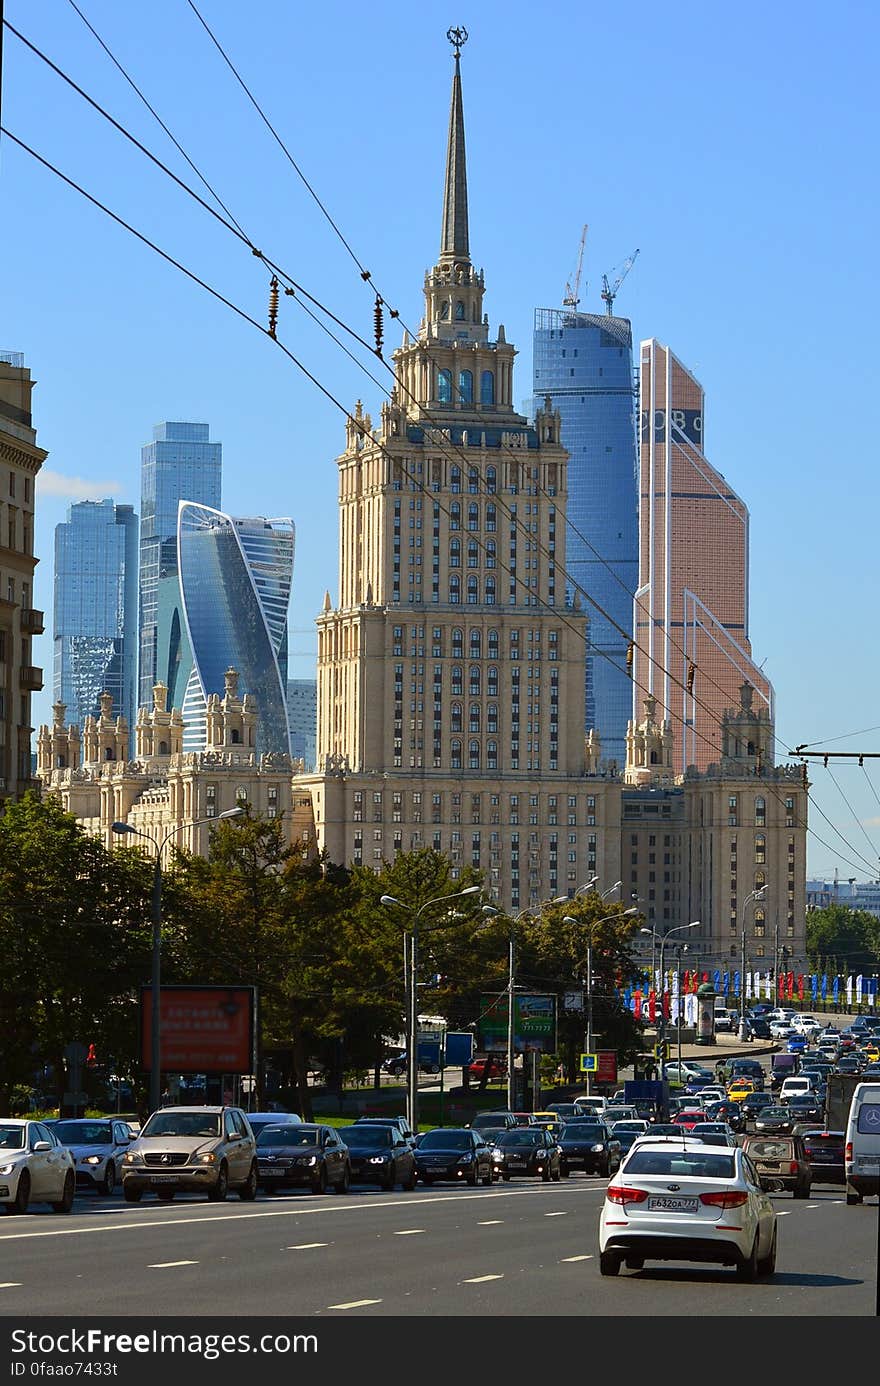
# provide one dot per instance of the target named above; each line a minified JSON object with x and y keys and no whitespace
{"x":739,"y":1089}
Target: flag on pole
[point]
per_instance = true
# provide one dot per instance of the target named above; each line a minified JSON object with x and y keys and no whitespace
{"x":824,"y":986}
{"x":849,"y":990}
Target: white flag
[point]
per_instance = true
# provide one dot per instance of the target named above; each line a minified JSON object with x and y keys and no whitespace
{"x":849,"y":990}
{"x":859,"y":989}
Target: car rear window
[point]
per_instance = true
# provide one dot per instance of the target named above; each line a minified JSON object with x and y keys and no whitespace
{"x":821,"y":1141}
{"x":869,"y":1119}
{"x":685,"y":1164}
{"x":769,"y":1150}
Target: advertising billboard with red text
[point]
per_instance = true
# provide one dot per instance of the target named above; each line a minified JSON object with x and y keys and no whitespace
{"x":203,"y":1029}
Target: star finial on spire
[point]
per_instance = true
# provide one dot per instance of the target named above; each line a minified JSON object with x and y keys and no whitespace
{"x":458,"y":37}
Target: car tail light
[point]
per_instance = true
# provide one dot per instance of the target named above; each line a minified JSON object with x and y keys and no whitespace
{"x":618,"y":1193}
{"x":731,"y":1198}
{"x":848,"y":1152}
{"x":793,"y":1167}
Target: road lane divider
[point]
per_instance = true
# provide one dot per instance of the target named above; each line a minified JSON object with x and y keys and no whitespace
{"x":355,"y":1304}
{"x":168,"y":1265}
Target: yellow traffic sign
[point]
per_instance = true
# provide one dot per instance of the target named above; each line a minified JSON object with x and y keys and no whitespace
{"x":661,"y":1051}
{"x":589,"y":1063}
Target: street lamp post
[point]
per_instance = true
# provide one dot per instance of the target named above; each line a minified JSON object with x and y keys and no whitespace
{"x":412,"y":1056}
{"x":661,"y":1028}
{"x":755,"y":895}
{"x":156,"y":919}
{"x":569,"y":919}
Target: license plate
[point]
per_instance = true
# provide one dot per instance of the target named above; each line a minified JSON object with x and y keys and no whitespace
{"x":673,"y":1205}
{"x":768,"y":1165}
{"x":864,"y":1160}
{"x":516,"y":1164}
{"x":158,"y":1179}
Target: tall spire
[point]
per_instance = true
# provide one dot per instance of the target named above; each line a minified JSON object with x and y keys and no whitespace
{"x":454,"y":235}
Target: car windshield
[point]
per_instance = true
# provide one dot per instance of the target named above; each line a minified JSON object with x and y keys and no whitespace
{"x":446,"y":1140}
{"x":182,"y":1124}
{"x":370,"y":1137}
{"x":773,"y":1114}
{"x":523,"y":1137}
{"x":684,"y":1163}
{"x":11,"y":1137}
{"x":84,"y":1132}
{"x":288,"y":1135}
{"x":802,"y":1102}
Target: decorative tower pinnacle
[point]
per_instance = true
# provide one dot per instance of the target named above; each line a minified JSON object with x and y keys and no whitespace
{"x":454,"y":243}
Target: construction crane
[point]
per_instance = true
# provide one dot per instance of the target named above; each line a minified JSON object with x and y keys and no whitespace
{"x":609,"y":291}
{"x":572,"y":290}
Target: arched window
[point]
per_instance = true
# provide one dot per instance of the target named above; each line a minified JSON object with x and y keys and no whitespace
{"x":455,"y":590}
{"x":61,"y":763}
{"x":476,"y":640}
{"x":455,"y":515}
{"x":109,"y":753}
{"x":760,"y":812}
{"x":459,"y":311}
{"x":492,"y":681}
{"x":235,"y":736}
{"x":490,"y":554}
{"x":444,"y":387}
{"x":457,"y":677}
{"x":492,"y":717}
{"x":473,"y":554}
{"x":455,"y":480}
{"x":455,"y":553}
{"x":455,"y":722}
{"x":466,"y":387}
{"x":760,"y":880}
{"x":493,"y":642}
{"x":492,"y":755}
{"x":760,"y":849}
{"x":474,"y":719}
{"x":487,"y":387}
{"x":490,"y":591}
{"x":457,"y":642}
{"x":653,"y":757}
{"x":444,"y":309}
{"x":491,"y":480}
{"x":475,"y":680}
{"x":473,"y":481}
{"x":163,"y":748}
{"x":241,"y":796}
{"x":473,"y":516}
{"x":474,"y":755}
{"x":455,"y":755}
{"x":473,"y":591}
{"x":490,"y":518}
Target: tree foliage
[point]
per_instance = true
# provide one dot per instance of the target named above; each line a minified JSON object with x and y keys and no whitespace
{"x":843,"y":938}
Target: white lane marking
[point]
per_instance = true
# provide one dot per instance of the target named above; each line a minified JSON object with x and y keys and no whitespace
{"x":355,"y":1304}
{"x":11,"y":1284}
{"x":578,"y":1258}
{"x":556,"y":1215}
{"x":784,"y":1213}
{"x":479,"y":1279}
{"x":411,"y":1232}
{"x":491,"y":1222}
{"x":166,"y":1265}
{"x":306,"y":1246}
{"x":211,"y":1216}
{"x":812,"y":1205}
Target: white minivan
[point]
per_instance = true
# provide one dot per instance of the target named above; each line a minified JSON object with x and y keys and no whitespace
{"x":862,"y":1152}
{"x":795,"y":1087}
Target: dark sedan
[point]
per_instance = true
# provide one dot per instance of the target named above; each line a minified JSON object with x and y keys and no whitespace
{"x":457,"y":1153}
{"x":301,"y":1154}
{"x":775,"y":1121}
{"x":731,"y":1112}
{"x":379,"y":1155}
{"x":806,"y":1108}
{"x":755,"y":1102}
{"x":529,"y":1151}
{"x":825,"y":1152}
{"x":589,"y":1146}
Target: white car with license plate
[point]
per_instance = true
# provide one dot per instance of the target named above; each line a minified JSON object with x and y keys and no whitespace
{"x":34,"y":1167}
{"x":687,"y":1201}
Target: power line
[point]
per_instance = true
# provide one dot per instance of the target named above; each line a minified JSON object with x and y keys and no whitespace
{"x":839,"y":789}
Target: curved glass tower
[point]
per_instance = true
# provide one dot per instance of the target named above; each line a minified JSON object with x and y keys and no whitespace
{"x":235,"y":581}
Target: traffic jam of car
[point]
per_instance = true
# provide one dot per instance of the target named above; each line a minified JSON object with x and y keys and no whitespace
{"x":690,"y":1178}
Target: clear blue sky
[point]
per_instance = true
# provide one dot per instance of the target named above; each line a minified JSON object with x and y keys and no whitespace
{"x":735,"y":146}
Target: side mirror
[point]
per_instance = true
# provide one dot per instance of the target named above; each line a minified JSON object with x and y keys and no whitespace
{"x":234,"y":1136}
{"x":42,"y":1145}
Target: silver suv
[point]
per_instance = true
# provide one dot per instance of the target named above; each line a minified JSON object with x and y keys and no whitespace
{"x":195,"y":1150}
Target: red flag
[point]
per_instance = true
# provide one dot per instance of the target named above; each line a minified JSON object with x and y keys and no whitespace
{"x":667,"y":1008}
{"x":705,"y":976}
{"x":790,"y":985}
{"x":780,"y":987}
{"x":800,"y":985}
{"x":637,"y":1005}
{"x":652,"y":1006}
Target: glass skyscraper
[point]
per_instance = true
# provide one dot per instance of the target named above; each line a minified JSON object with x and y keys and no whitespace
{"x":302,"y":719}
{"x":95,"y":629}
{"x":583,"y":361}
{"x":235,"y":581}
{"x":179,"y":464}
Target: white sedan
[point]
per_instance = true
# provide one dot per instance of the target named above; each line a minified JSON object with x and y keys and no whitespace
{"x":34,"y":1167}
{"x":686,"y":1201}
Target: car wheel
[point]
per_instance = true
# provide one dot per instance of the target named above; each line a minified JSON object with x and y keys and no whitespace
{"x":427,"y":1180}
{"x":433,"y":1068}
{"x":564,"y":1173}
{"x":545,"y":1173}
{"x":506,"y":1178}
{"x":218,"y":1193}
{"x":767,"y":1265}
{"x":486,"y":1180}
{"x":471,"y":1180}
{"x":319,"y":1185}
{"x":131,"y":1195}
{"x":635,"y":1263}
{"x":801,"y":1191}
{"x":852,"y":1196}
{"x":166,"y":1195}
{"x":67,"y":1196}
{"x":609,"y":1263}
{"x":410,"y":1183}
{"x":558,"y":1174}
{"x":22,"y":1194}
{"x":748,"y":1269}
{"x":108,"y":1183}
{"x":344,"y":1185}
{"x":248,"y":1191}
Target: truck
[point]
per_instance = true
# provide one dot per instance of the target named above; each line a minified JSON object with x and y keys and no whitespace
{"x":838,"y":1097}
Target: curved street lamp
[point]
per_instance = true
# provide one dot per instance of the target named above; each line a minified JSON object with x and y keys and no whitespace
{"x":412,"y":1057}
{"x":593,"y":924}
{"x":676,"y":929}
{"x":156,"y":917}
{"x":758,"y":894}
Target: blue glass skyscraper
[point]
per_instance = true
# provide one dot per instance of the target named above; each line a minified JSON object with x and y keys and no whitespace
{"x":235,"y":580}
{"x":583,"y":361}
{"x":179,"y":464}
{"x":95,"y":627}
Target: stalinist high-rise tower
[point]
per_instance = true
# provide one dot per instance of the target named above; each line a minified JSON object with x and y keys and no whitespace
{"x":450,"y":674}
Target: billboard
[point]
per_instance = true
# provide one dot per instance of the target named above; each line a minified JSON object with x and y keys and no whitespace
{"x":203,"y":1029}
{"x":534,"y":1023}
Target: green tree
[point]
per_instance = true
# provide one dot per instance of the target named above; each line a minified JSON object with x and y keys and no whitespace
{"x":850,"y":936}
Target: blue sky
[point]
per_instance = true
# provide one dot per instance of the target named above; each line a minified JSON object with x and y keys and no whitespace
{"x":733,"y":146}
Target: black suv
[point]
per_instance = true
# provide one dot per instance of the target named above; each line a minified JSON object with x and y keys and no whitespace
{"x":588,"y":1146}
{"x":529,"y":1151}
{"x":457,"y":1153}
{"x":379,"y":1155}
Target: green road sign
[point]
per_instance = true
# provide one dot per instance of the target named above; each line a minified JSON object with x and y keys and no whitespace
{"x":589,"y":1063}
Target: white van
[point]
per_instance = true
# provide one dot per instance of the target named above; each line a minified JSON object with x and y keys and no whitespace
{"x":862,"y":1152}
{"x":590,"y":1106}
{"x":795,"y":1087}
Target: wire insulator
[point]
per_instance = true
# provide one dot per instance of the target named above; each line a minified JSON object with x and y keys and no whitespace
{"x":629,"y":658}
{"x":692,"y":669}
{"x":377,"y":324}
{"x":273,"y":305}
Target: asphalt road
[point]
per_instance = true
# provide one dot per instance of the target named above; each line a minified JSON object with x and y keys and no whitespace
{"x":523,"y":1249}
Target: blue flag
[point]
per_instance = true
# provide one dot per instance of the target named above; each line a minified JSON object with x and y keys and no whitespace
{"x":824,"y":986}
{"x":736,"y":984}
{"x":814,"y":985}
{"x":835,"y":989}
{"x":716,"y":980}
{"x":726,"y":983}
